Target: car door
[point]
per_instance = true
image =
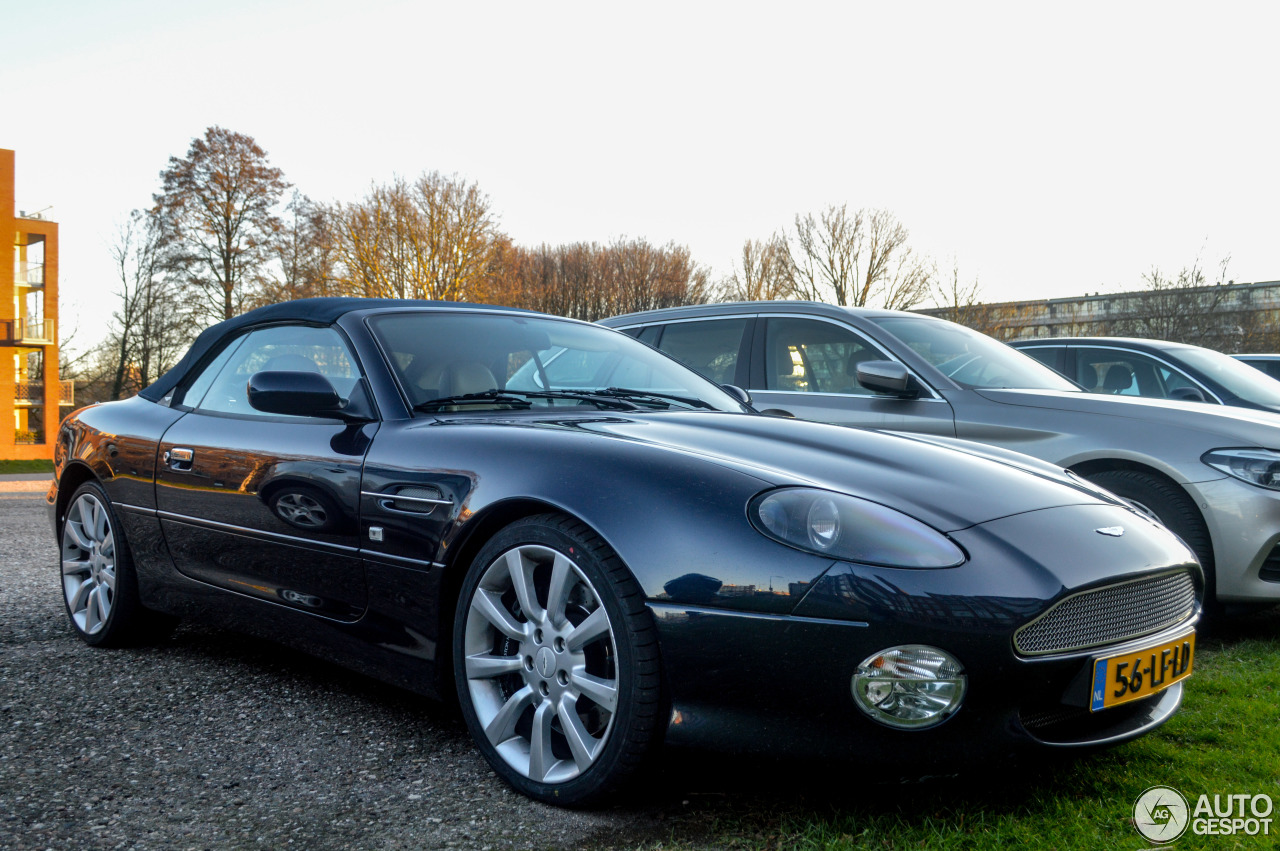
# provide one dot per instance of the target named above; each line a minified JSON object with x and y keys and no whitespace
{"x":807,"y":367}
{"x":263,"y":504}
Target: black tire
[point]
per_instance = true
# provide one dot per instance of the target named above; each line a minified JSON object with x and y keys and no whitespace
{"x":99,"y":583}
{"x":561,"y":667}
{"x":1170,"y":505}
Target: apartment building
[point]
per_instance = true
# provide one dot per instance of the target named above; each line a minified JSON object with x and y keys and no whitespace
{"x":32,"y":398}
{"x":1230,"y":317}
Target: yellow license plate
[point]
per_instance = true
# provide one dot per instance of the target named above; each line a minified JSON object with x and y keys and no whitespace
{"x":1141,"y":673}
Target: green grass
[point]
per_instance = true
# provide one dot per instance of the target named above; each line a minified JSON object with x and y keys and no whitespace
{"x":36,"y":466}
{"x":1225,"y":740}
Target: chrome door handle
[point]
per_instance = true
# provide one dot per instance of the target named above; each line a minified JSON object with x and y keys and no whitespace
{"x":179,"y":457}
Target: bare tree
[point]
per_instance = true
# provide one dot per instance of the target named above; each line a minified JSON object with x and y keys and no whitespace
{"x":460,"y":234}
{"x":435,"y":238}
{"x":857,"y":259}
{"x":590,"y":281}
{"x":1183,"y":308}
{"x":148,"y":332}
{"x":764,"y":272}
{"x":960,"y":301}
{"x":305,"y":254}
{"x":218,"y":223}
{"x":824,"y":255}
{"x":895,"y":277}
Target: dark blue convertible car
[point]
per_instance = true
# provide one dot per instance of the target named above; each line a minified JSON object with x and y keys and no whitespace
{"x":597,"y":550}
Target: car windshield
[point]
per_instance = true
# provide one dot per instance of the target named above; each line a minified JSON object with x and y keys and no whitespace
{"x":1239,"y":378}
{"x":459,"y":361}
{"x":970,"y":359}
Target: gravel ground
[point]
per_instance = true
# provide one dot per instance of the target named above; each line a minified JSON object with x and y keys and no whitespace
{"x":216,"y":740}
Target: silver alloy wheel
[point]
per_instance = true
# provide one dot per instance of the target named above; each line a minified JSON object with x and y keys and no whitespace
{"x":541,"y":663}
{"x":88,"y":563}
{"x":301,"y":510}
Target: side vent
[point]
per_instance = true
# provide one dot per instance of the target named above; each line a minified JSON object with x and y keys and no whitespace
{"x":414,"y":500}
{"x":410,"y":499}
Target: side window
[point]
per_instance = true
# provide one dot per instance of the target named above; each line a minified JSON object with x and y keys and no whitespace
{"x":649,"y":334}
{"x":294,"y":348}
{"x":1127,"y":374}
{"x":195,"y":391}
{"x":1175,"y":380}
{"x":1047,"y":355}
{"x":809,"y":356}
{"x":710,"y":347}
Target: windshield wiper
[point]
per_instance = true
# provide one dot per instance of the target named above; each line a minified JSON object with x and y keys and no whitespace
{"x":595,"y":397}
{"x":653,"y":396}
{"x":485,"y":397}
{"x":520,"y":399}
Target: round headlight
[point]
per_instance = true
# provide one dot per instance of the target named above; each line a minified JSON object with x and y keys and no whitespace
{"x":910,"y":687}
{"x":845,"y":527}
{"x":824,"y":523}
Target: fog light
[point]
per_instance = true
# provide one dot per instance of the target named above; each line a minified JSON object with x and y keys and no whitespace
{"x":910,"y":687}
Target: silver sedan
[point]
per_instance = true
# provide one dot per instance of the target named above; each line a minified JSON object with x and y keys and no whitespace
{"x":1212,"y":475}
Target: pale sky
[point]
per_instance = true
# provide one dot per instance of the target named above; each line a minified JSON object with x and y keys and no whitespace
{"x":1051,"y":150}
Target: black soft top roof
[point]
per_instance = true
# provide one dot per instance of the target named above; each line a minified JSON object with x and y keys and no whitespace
{"x":318,"y":311}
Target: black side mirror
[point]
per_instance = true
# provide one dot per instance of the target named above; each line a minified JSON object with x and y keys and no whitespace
{"x":296,"y":394}
{"x":889,"y":377}
{"x":737,"y":392}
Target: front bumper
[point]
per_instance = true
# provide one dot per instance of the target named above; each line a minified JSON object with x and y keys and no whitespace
{"x":1244,"y":525}
{"x":781,"y":684}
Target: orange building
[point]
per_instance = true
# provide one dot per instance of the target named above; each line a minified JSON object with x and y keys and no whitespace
{"x":31,"y":396}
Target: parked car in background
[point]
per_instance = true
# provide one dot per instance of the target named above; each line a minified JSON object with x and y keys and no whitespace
{"x":596,"y":550}
{"x":1210,"y":473}
{"x":1155,"y":369}
{"x":1268,"y":363}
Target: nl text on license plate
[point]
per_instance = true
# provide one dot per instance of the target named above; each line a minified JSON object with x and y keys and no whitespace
{"x":1140,"y":673}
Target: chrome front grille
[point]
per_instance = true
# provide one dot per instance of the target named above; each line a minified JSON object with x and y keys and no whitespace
{"x":1110,"y":614}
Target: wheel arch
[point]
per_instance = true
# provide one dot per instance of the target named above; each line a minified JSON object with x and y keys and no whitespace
{"x":1094,"y":466}
{"x":75,"y":474}
{"x":1086,"y":469}
{"x":463,"y":550}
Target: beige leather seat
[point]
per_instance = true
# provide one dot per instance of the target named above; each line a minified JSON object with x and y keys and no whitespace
{"x":456,"y":379}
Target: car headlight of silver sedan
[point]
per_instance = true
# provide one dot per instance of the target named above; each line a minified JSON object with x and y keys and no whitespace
{"x":1259,"y":467}
{"x":845,"y":527}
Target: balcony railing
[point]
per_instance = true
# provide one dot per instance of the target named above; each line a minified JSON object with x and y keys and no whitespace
{"x":28,"y":393}
{"x":28,"y":331}
{"x":32,"y":392}
{"x":22,"y":437}
{"x":29,"y":274}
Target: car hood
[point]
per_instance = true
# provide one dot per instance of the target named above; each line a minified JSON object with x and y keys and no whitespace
{"x":945,"y":486}
{"x":1228,"y":425}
